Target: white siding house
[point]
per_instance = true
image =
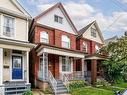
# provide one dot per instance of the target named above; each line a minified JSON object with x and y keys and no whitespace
{"x":14,"y":48}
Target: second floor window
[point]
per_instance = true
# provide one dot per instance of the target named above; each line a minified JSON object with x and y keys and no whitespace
{"x":97,"y":48}
{"x":8,"y":28}
{"x":93,"y":32}
{"x":85,"y":47}
{"x":58,"y":19}
{"x":65,"y":41}
{"x":44,"y":37}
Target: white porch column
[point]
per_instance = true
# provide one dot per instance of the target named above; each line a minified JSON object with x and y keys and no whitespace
{"x":83,"y":67}
{"x":27,"y":63}
{"x":43,"y":65}
{"x":1,"y":66}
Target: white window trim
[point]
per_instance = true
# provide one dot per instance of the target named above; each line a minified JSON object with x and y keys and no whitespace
{"x":65,"y":41}
{"x":86,"y":46}
{"x":60,"y":66}
{"x":44,"y":38}
{"x":2,"y":24}
{"x":23,"y":73}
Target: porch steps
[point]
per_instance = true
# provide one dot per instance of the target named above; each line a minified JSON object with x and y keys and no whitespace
{"x":61,"y":89}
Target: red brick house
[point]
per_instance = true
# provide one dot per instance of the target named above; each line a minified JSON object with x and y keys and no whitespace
{"x":90,"y":40}
{"x":55,"y":56}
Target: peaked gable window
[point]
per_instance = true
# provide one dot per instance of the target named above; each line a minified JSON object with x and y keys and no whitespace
{"x":8,"y":28}
{"x":65,"y":41}
{"x":58,"y":19}
{"x":44,"y":37}
{"x":93,"y":32}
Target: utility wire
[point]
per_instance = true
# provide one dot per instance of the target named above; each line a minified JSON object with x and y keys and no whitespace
{"x":117,"y":17}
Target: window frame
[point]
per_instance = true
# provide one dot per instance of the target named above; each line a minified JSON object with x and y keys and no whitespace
{"x":93,"y":32}
{"x":3,"y":25}
{"x":85,"y":45}
{"x":58,"y":19}
{"x":44,"y":39}
{"x":63,"y":41}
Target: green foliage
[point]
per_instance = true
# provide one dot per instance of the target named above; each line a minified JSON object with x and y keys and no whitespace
{"x":76,"y":84}
{"x":115,"y":66}
{"x":47,"y":91}
{"x":28,"y":93}
{"x":102,"y":82}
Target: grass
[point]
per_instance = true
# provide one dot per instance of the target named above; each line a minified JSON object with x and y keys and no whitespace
{"x":122,"y":85}
{"x":91,"y":91}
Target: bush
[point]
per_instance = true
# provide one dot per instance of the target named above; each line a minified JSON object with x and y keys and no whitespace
{"x":76,"y":84}
{"x":28,"y":93}
{"x":102,"y":82}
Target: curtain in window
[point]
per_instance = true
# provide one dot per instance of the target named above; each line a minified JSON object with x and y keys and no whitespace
{"x":65,"y":41}
{"x":44,"y":37}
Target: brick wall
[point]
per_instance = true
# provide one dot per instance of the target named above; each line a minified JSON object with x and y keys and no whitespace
{"x":54,"y":37}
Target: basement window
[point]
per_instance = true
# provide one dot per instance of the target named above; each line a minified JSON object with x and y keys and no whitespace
{"x":58,"y":19}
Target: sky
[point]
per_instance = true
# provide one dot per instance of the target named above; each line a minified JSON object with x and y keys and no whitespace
{"x":111,"y":15}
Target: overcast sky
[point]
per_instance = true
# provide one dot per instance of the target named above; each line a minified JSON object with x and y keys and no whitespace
{"x":111,"y":15}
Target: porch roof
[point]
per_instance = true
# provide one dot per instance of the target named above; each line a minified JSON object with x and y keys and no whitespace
{"x":51,"y":49}
{"x":95,"y":56}
{"x":15,"y":44}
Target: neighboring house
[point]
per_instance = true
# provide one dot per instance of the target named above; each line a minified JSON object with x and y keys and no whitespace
{"x":54,"y":59}
{"x":112,"y":39}
{"x":14,"y":48}
{"x":90,"y":40}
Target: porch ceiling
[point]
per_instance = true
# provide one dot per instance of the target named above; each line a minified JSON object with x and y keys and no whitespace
{"x":94,"y":56}
{"x":59,"y":51}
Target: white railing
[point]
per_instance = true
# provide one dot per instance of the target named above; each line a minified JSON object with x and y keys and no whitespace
{"x":52,"y":81}
{"x":65,"y":81}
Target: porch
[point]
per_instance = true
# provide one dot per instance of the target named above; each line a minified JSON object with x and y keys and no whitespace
{"x":14,"y":67}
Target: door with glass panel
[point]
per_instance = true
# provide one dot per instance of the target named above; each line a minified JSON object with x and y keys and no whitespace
{"x":17,"y":70}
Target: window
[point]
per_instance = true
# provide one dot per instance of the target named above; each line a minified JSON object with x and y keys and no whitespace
{"x":93,"y":32}
{"x":66,"y":64}
{"x":8,"y":28}
{"x":97,"y":47}
{"x":44,"y":37}
{"x":58,"y":19}
{"x":65,"y":41}
{"x":84,"y":46}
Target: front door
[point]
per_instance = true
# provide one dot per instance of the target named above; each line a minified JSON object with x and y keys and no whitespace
{"x":17,"y":68}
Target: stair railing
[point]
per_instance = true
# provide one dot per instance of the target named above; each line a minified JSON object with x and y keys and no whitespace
{"x":52,"y":81}
{"x":65,"y":81}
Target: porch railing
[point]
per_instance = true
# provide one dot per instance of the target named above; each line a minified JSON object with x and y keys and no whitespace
{"x":65,"y":81}
{"x":53,"y":82}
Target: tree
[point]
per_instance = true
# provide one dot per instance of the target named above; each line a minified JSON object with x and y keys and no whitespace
{"x":115,"y":66}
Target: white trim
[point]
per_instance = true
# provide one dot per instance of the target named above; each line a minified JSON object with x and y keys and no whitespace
{"x":59,"y":52}
{"x":2,"y":24}
{"x":13,"y":54}
{"x":60,"y":66}
{"x":27,"y":67}
{"x":1,"y":66}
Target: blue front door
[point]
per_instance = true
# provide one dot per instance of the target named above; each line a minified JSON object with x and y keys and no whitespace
{"x":17,"y":67}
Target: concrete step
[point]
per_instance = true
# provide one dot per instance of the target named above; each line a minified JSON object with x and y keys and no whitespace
{"x":62,"y":91}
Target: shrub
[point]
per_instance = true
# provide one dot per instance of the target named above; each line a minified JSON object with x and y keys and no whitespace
{"x":76,"y":84}
{"x":28,"y":93}
{"x":102,"y":82}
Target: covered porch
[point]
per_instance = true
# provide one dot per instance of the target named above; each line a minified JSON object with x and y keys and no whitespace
{"x":14,"y":67}
{"x":59,"y":62}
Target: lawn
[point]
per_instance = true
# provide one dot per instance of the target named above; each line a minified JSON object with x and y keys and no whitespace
{"x":91,"y":91}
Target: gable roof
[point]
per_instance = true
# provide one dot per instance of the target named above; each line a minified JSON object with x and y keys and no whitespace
{"x":20,"y":7}
{"x":83,"y":30}
{"x":58,"y":5}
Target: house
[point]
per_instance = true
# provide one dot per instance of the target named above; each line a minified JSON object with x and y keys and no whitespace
{"x":14,"y":48}
{"x":90,"y":40}
{"x":55,"y":56}
{"x":112,"y":39}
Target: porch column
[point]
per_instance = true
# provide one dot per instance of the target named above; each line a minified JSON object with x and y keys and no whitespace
{"x":43,"y":66}
{"x":1,"y":66}
{"x":83,"y":67}
{"x":93,"y":71}
{"x":27,"y":63}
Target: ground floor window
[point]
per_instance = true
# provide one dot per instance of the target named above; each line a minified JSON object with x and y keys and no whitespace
{"x":66,"y":64}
